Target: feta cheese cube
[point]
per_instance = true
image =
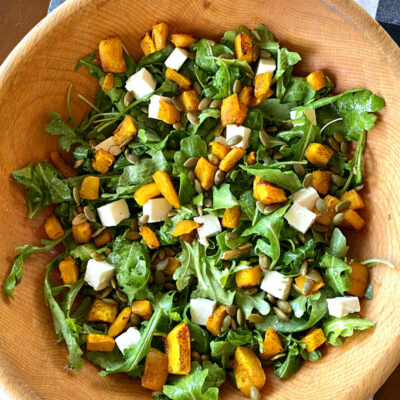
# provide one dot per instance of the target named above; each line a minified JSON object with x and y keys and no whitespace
{"x":342,"y":306}
{"x":276,"y":284}
{"x":98,"y":274}
{"x":201,"y":309}
{"x":176,"y":59}
{"x":110,"y":146}
{"x":141,"y":84}
{"x":128,"y":339}
{"x":300,"y":217}
{"x":210,"y":227}
{"x":305,"y":197}
{"x":310,"y":115}
{"x":233,"y":130}
{"x":157,"y":209}
{"x":113,"y":213}
{"x":266,"y":65}
{"x":154,"y":105}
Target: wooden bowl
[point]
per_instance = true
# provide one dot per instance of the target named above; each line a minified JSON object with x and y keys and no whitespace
{"x":335,"y":35}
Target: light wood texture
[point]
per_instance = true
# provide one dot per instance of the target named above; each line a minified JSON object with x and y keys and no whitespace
{"x":334,"y":35}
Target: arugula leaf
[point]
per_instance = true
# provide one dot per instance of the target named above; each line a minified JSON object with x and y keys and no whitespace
{"x":157,"y":57}
{"x":186,"y":189}
{"x":274,"y":112}
{"x":192,"y":146}
{"x":204,"y":55}
{"x":336,"y":274}
{"x":288,"y":367}
{"x":299,"y":91}
{"x":338,"y":245}
{"x":267,"y":41}
{"x":299,"y":254}
{"x":285,"y":60}
{"x":248,"y":303}
{"x":90,"y":62}
{"x":223,"y":198}
{"x":222,"y":352}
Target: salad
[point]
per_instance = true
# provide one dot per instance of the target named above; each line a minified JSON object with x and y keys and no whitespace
{"x":203,"y":220}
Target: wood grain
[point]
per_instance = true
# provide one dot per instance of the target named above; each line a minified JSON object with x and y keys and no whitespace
{"x":334,"y":35}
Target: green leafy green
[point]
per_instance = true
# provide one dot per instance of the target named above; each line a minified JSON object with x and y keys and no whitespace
{"x":250,"y":302}
{"x":223,"y":198}
{"x":336,"y":274}
{"x":338,"y":245}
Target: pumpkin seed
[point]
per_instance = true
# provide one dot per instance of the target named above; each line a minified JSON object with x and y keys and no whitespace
{"x":338,"y":137}
{"x":197,"y":186}
{"x":98,"y":232}
{"x":338,"y":180}
{"x":338,"y":219}
{"x":200,"y":210}
{"x":195,"y":356}
{"x":260,"y":206}
{"x":307,"y":181}
{"x":231,"y":236}
{"x":110,"y":301}
{"x":226,"y":323}
{"x":97,"y":256}
{"x":204,"y":103}
{"x":264,"y":138}
{"x":237,"y":86}
{"x":344,"y":147}
{"x":193,"y":118}
{"x":280,"y":314}
{"x":191,"y":162}
{"x":359,"y":187}
{"x":304,"y":268}
{"x":170,"y":286}
{"x":213,"y":159}
{"x":106,"y":292}
{"x":314,"y":275}
{"x":197,"y":88}
{"x":234,"y":140}
{"x":220,"y":139}
{"x":322,"y":207}
{"x":342,"y":205}
{"x":255,"y":393}
{"x":205,"y":357}
{"x":334,"y":168}
{"x":161,"y":254}
{"x":134,"y":320}
{"x":299,"y":169}
{"x":128,"y":98}
{"x":79,"y":219}
{"x":162,"y":265}
{"x":191,"y":176}
{"x":177,"y":126}
{"x":239,"y":317}
{"x":216,"y":103}
{"x":238,"y":252}
{"x":284,"y":306}
{"x":208,"y":202}
{"x":264,"y":262}
{"x":177,"y":104}
{"x":278,"y":356}
{"x":133,"y":159}
{"x":278,"y":156}
{"x":113,"y":283}
{"x":271,"y":208}
{"x":78,"y":163}
{"x":271,"y":298}
{"x":334,"y":144}
{"x":219,"y":177}
{"x":89,"y":213}
{"x":144,"y":109}
{"x":143,"y":219}
{"x":301,"y":237}
{"x":250,"y":291}
{"x":217,"y":131}
{"x":121,"y":296}
{"x":311,"y":260}
{"x":133,"y":235}
{"x":307,"y":286}
{"x":265,"y":54}
{"x":134,"y":224}
{"x":159,"y":278}
{"x":255,"y":35}
{"x":233,"y":324}
{"x":231,"y":310}
{"x":256,"y":318}
{"x":76,"y":195}
{"x":320,"y":228}
{"x":271,"y":129}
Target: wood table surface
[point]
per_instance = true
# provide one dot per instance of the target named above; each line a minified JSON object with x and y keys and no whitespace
{"x":17,"y":17}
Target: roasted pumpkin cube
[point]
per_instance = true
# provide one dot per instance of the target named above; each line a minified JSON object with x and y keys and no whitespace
{"x":190,"y":101}
{"x":248,"y":277}
{"x":185,"y":226}
{"x":53,"y":227}
{"x":97,"y":342}
{"x":251,"y":158}
{"x":146,"y":192}
{"x":168,"y":113}
{"x":68,"y":270}
{"x":147,"y":45}
{"x":102,"y":239}
{"x":102,"y":311}
{"x":125,"y":131}
{"x":358,"y":279}
{"x":62,"y":165}
{"x":246,"y":95}
{"x":262,"y":87}
{"x":314,"y":339}
{"x":352,"y":220}
{"x":90,"y":188}
{"x":142,"y":308}
{"x":244,"y":47}
{"x":229,"y":161}
{"x":160,"y":33}
{"x":120,"y":322}
{"x":355,"y":199}
{"x":102,"y":161}
{"x":82,"y":233}
{"x":166,"y":187}
{"x":267,"y":193}
{"x":178,"y":78}
{"x":112,"y":55}
{"x":149,"y":237}
{"x":219,"y":150}
{"x":321,"y":181}
{"x":214,"y":321}
{"x":205,"y":173}
{"x":231,"y":217}
{"x":326,"y":219}
{"x":232,"y":112}
{"x":182,"y":39}
{"x":177,"y":345}
{"x":272,"y":344}
{"x":155,"y":370}
{"x":318,"y":154}
{"x":108,"y":82}
{"x":300,"y":280}
{"x":247,"y":370}
{"x":317,"y":80}
{"x":172,"y":266}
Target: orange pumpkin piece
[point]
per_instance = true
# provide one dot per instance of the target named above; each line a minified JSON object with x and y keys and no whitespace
{"x":318,"y":154}
{"x":146,"y":192}
{"x":251,"y":158}
{"x":190,"y":101}
{"x":272,"y":344}
{"x":102,"y":239}
{"x":125,"y":131}
{"x":214,"y":321}
{"x":160,"y":33}
{"x":182,"y":39}
{"x":177,"y":345}
{"x":178,"y":78}
{"x":352,"y":220}
{"x":112,"y":55}
{"x":321,"y":181}
{"x":172,"y":266}
{"x":142,"y":308}
{"x":244,"y":47}
{"x":246,"y":95}
{"x":205,"y":173}
{"x":232,"y":112}
{"x":358,"y":279}
{"x":53,"y":227}
{"x":354,"y":198}
{"x":231,"y":217}
{"x":219,"y":150}
{"x":326,"y":219}
{"x":300,"y":280}
{"x":229,"y":161}
{"x":155,"y":370}
{"x":147,"y":45}
{"x":149,"y":237}
{"x":90,"y":188}
{"x":168,"y":113}
{"x":267,"y":193}
{"x":102,"y":161}
{"x":98,"y":342}
{"x":102,"y":311}
{"x":82,"y":233}
{"x":166,"y":187}
{"x":262,"y":90}
{"x":248,"y":277}
{"x":68,"y":270}
{"x":120,"y":322}
{"x":185,"y":226}
{"x":317,"y":80}
{"x":314,"y":339}
{"x":108,"y":82}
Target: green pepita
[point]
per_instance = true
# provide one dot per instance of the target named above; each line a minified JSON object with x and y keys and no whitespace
{"x":284,"y":306}
{"x":256,"y":318}
{"x":322,"y":207}
{"x":338,"y":219}
{"x":280,"y":314}
{"x":343,"y":205}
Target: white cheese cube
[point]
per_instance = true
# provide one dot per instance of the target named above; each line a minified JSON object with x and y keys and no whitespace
{"x":210,"y":227}
{"x":176,"y":59}
{"x":305,"y":197}
{"x":110,"y":146}
{"x":266,"y":65}
{"x":342,"y":306}
{"x":157,"y":209}
{"x":154,"y":105}
{"x":128,"y":339}
{"x":242,"y":131}
{"x":201,"y":309}
{"x":300,"y":217}
{"x":141,"y":84}
{"x":276,"y":284}
{"x":98,"y":274}
{"x":310,"y":115}
{"x":113,"y":213}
